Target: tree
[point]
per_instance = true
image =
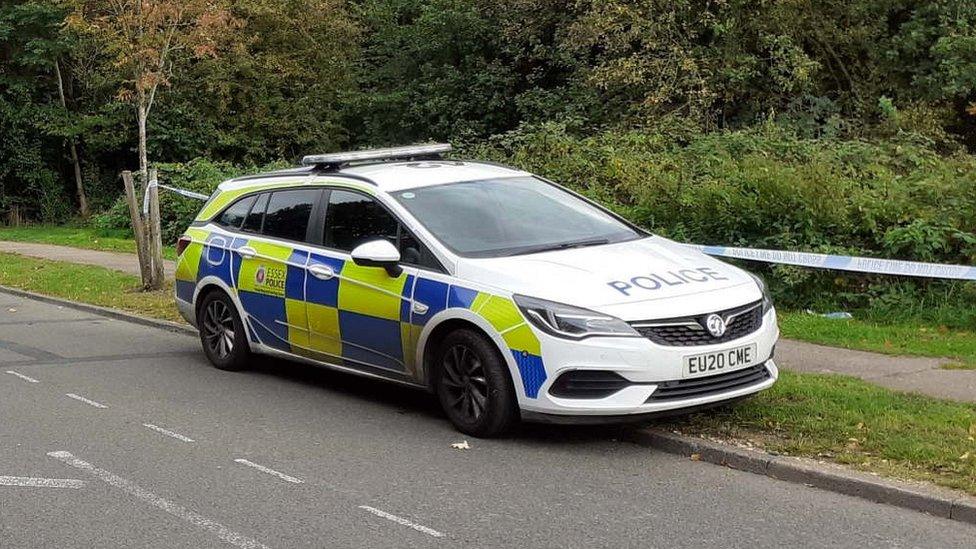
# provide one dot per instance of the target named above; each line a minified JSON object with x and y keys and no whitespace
{"x":147,"y":41}
{"x":31,"y":52}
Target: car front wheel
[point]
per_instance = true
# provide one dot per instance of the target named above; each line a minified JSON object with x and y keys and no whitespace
{"x":473,"y":385}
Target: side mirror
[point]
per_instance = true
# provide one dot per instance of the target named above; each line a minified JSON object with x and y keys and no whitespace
{"x":378,"y":253}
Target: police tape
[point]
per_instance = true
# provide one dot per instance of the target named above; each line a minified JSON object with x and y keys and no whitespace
{"x":177,"y":190}
{"x":843,"y":262}
{"x":800,"y":259}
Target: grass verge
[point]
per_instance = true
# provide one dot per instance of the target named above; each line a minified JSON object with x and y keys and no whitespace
{"x":849,"y":421}
{"x":88,"y":284}
{"x":903,"y":338}
{"x":78,"y":237}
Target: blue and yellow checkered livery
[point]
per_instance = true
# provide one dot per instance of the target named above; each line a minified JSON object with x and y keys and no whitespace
{"x":360,"y":315}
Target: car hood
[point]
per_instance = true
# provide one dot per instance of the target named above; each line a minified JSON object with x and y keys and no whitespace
{"x":648,"y":278}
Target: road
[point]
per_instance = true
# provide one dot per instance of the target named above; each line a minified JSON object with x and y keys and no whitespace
{"x":143,"y":444}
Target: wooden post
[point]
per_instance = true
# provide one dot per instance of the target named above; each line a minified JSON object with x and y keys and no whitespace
{"x":138,"y":228}
{"x":155,"y":234}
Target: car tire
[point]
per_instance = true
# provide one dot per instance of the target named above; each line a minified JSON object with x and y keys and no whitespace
{"x":222,"y":332}
{"x":473,"y":385}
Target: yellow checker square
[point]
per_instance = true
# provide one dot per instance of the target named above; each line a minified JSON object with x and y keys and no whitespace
{"x":500,"y":312}
{"x":370,"y":291}
{"x":297,"y":320}
{"x":323,"y":325}
{"x":266,"y":273}
{"x":189,"y":262}
{"x":409,"y":342}
{"x":522,"y":339}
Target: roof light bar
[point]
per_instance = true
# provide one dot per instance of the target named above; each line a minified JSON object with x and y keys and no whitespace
{"x":392,"y":153}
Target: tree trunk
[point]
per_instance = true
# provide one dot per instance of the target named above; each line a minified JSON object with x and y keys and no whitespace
{"x":138,"y":229}
{"x":155,"y":236}
{"x":143,"y":155}
{"x":79,"y":181}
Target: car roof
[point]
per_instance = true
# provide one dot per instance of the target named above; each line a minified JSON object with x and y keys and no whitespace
{"x":390,"y":176}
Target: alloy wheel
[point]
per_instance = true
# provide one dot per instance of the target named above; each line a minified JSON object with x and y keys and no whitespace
{"x":218,"y":329}
{"x":465,"y":383}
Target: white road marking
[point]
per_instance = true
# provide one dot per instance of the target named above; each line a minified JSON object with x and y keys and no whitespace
{"x":221,"y":531}
{"x":167,"y":432}
{"x":22,"y":376}
{"x":86,"y":401}
{"x":42,"y":482}
{"x":264,"y":469}
{"x":402,"y":521}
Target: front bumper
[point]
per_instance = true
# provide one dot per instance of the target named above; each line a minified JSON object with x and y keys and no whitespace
{"x":646,"y":367}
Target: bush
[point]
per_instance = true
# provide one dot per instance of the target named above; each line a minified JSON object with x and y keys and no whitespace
{"x":767,"y":187}
{"x":177,"y":212}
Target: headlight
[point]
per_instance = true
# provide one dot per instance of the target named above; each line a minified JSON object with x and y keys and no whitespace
{"x":571,"y":322}
{"x":767,"y":300}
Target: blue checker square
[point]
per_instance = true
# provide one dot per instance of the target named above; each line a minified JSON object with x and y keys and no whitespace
{"x":295,"y":279}
{"x":532,"y":372}
{"x":265,"y":311}
{"x":184,"y":290}
{"x":215,"y":260}
{"x":431,"y":293}
{"x":324,"y":292}
{"x":405,"y":302}
{"x":461,"y":297}
{"x":370,"y":339}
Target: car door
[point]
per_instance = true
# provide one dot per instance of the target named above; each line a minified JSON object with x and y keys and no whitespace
{"x":272,"y":256}
{"x":359,"y":315}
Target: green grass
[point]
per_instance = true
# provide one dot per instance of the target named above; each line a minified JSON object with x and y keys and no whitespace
{"x":87,"y":284}
{"x":849,"y":421}
{"x":78,"y":237}
{"x":906,"y":337}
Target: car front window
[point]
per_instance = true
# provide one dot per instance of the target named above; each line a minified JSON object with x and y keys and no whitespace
{"x":511,"y":216}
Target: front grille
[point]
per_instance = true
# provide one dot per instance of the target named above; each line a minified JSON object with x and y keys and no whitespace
{"x":587,"y":384}
{"x":684,"y":389}
{"x":689,"y":331}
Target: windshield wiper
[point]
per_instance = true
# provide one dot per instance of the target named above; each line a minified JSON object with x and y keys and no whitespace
{"x":563,"y":246}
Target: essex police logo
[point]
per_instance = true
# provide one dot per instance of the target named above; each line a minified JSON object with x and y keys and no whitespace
{"x":270,"y":280}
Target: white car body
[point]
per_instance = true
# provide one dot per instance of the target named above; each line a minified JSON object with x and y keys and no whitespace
{"x":639,"y":281}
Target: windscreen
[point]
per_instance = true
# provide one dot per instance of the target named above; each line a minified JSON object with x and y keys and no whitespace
{"x":511,"y":216}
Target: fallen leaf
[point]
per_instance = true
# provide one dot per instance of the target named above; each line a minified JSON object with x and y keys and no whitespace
{"x":695,"y":457}
{"x":463,"y":445}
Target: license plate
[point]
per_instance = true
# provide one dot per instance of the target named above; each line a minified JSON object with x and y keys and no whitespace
{"x":717,"y":362}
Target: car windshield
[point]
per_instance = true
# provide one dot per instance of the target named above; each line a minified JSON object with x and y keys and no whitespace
{"x":511,"y":216}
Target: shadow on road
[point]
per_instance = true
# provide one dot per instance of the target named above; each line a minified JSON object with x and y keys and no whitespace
{"x":405,"y":400}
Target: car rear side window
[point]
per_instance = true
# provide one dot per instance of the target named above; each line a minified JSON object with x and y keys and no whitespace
{"x":256,"y":215}
{"x":288,"y":213}
{"x":235,"y":214}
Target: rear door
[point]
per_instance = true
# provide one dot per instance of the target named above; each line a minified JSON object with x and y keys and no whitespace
{"x":271,"y":255}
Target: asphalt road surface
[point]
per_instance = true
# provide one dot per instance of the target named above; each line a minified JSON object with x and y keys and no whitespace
{"x":119,"y":435}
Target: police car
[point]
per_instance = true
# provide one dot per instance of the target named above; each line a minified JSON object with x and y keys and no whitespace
{"x":506,"y":295}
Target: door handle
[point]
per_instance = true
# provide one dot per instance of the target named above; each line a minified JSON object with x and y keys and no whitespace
{"x":323,"y":272}
{"x":247,"y":252}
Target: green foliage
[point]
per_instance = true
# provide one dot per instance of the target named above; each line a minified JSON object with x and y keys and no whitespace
{"x":769,"y":188}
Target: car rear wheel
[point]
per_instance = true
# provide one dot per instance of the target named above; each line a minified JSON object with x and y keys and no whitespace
{"x":473,"y":385}
{"x":222,"y":332}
